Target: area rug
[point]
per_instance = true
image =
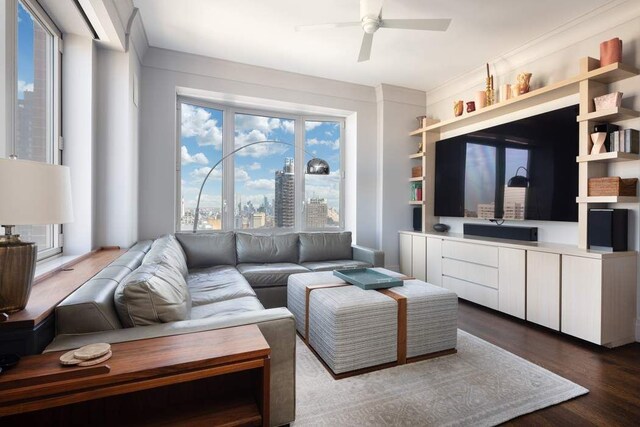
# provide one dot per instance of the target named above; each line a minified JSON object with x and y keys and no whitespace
{"x":480,"y":385}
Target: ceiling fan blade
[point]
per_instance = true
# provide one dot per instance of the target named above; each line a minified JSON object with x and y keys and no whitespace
{"x":417,"y":24}
{"x":327,"y":26}
{"x":365,"y":48}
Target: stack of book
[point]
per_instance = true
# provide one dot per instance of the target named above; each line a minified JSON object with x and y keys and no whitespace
{"x":416,"y":192}
{"x":625,"y":141}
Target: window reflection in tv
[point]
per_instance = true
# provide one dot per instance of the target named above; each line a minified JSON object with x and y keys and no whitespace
{"x":521,"y":170}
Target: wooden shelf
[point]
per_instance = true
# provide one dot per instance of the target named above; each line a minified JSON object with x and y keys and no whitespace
{"x":608,"y":74}
{"x":416,"y":179}
{"x":612,"y":157}
{"x":607,"y":199}
{"x":415,"y":202}
{"x":610,"y":115}
{"x":416,"y":156}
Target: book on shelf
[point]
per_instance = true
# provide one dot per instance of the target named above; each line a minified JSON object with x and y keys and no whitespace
{"x":416,"y":192}
{"x":625,"y":141}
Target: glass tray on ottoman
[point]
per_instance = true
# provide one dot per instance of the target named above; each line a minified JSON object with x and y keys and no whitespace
{"x":367,"y":278}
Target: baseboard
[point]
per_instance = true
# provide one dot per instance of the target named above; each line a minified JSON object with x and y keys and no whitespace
{"x":638,"y":329}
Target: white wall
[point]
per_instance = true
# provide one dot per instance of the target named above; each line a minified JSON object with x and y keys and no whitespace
{"x":79,"y":121}
{"x":397,"y":111}
{"x":165,"y":72}
{"x":550,"y":60}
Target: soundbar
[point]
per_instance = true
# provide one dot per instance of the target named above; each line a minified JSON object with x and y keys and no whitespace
{"x":529,"y":234}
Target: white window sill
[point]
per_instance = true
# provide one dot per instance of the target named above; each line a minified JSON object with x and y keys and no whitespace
{"x":48,"y":265}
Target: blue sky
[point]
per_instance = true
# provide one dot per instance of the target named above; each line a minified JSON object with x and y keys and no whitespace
{"x":201,"y":140}
{"x":25,"y":51}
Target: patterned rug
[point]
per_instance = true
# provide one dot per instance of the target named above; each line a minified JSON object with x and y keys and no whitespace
{"x":481,"y":385}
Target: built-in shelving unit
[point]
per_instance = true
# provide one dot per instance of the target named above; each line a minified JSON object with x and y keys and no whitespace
{"x":416,"y":156}
{"x":416,"y":179}
{"x":415,"y":202}
{"x":605,"y":75}
{"x":592,"y":81}
{"x":610,"y":157}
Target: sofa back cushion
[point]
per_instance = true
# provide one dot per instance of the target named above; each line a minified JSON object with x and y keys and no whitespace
{"x":325,"y":246}
{"x":168,"y":251}
{"x":153,"y":293}
{"x":208,"y":249}
{"x":256,"y":248}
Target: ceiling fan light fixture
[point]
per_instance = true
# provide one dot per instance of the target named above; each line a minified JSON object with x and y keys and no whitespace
{"x":370,"y":24}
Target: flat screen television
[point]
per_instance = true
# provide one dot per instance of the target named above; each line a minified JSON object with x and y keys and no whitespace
{"x":522,"y":170}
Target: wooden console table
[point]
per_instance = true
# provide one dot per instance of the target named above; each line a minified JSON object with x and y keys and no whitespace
{"x":29,"y":331}
{"x":218,"y":377}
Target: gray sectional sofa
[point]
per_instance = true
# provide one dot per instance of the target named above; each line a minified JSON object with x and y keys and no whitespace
{"x":207,"y":281}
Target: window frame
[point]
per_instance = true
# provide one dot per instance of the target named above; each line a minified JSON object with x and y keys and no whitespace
{"x":228,"y":173}
{"x":54,"y":95}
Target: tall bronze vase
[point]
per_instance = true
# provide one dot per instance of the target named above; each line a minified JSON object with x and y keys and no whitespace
{"x":17,"y":268}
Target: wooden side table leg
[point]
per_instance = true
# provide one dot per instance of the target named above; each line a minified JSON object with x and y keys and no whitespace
{"x":265,"y":393}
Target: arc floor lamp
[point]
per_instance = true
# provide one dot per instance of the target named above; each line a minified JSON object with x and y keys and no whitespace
{"x":315,"y":166}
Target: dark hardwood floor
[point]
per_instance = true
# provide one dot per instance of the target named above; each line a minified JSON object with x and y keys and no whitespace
{"x":611,"y":375}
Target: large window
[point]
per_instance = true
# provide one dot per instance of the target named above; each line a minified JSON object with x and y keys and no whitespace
{"x":263,"y":185}
{"x":36,"y":115}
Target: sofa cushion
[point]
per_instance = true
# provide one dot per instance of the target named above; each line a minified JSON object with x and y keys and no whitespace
{"x":325,"y":246}
{"x":272,"y":274}
{"x":238,"y":305}
{"x":256,"y":248}
{"x":131,"y":259}
{"x":168,"y":251}
{"x":215,"y":284}
{"x":88,"y":309}
{"x":335,"y":265}
{"x":153,"y":293}
{"x":208,"y":249}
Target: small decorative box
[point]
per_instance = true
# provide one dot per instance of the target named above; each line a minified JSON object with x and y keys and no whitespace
{"x":612,"y":186}
{"x":416,"y":171}
{"x":608,"y":101}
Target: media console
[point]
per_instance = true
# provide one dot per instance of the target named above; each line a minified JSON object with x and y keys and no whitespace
{"x":584,"y":293}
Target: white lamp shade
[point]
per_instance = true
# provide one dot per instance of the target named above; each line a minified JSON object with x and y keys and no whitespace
{"x":34,"y":193}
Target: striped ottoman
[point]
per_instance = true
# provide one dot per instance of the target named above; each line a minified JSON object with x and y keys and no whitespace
{"x":352,"y":329}
{"x":432,"y":317}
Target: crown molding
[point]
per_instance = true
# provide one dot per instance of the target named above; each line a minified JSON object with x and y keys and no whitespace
{"x":399,"y":94}
{"x":604,"y":18}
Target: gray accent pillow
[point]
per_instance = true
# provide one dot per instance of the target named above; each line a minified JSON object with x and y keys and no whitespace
{"x":168,"y":251}
{"x":153,"y":293}
{"x":208,"y":249}
{"x":325,"y":246}
{"x":256,"y":248}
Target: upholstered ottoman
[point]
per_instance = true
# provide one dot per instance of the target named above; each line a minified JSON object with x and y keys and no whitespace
{"x":432,"y":317}
{"x":352,"y":329}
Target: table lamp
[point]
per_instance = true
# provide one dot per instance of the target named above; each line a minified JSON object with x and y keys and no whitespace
{"x":31,"y":193}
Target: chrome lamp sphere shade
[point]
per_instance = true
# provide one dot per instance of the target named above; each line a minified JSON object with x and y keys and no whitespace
{"x":317,"y":166}
{"x":31,"y":193}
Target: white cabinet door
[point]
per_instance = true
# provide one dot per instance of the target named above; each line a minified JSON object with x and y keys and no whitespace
{"x":405,"y":254}
{"x":419,"y":257}
{"x":511,"y":281}
{"x":434,"y":261}
{"x":582,"y":297}
{"x":543,"y":289}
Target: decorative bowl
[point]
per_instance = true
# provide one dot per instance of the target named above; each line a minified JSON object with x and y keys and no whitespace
{"x":608,"y":101}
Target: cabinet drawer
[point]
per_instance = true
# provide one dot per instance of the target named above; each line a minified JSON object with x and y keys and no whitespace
{"x":472,"y":292}
{"x":476,"y":273}
{"x":479,"y":254}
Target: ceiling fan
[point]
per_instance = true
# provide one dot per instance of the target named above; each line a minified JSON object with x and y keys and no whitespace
{"x":371,"y":22}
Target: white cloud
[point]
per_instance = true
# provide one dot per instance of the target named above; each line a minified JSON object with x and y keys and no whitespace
{"x":197,"y":121}
{"x":255,"y":166}
{"x":247,"y":123}
{"x":261,"y":184}
{"x":198,"y":158}
{"x":311,"y":125}
{"x":24,"y":87}
{"x":288,"y":126}
{"x":200,"y":173}
{"x":334,"y":145}
{"x":258,"y":150}
{"x":241,"y":175}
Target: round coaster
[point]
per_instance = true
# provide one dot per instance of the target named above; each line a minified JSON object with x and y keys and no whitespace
{"x":68,"y":359}
{"x":92,"y":351}
{"x":96,"y":361}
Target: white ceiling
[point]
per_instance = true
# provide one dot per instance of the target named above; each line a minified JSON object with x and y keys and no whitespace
{"x":261,"y":32}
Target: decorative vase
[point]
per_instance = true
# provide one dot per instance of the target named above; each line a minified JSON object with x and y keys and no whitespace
{"x":481,"y":99}
{"x":524,"y":80}
{"x":598,"y":139}
{"x":420,"y":120}
{"x":505,"y":92}
{"x":471,"y":107}
{"x":457,"y":108}
{"x":610,"y":52}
